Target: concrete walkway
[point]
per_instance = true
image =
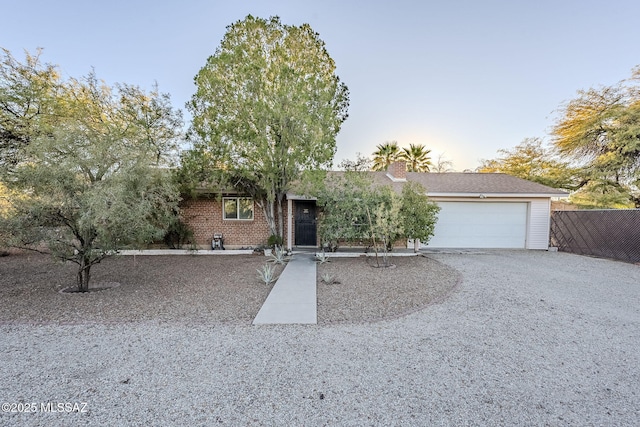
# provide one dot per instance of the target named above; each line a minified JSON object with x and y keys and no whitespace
{"x":293,"y":297}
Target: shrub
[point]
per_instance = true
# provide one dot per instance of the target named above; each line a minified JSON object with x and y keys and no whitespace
{"x":274,"y":240}
{"x":178,"y":234}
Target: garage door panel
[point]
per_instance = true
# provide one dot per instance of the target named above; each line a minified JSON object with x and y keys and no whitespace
{"x":480,"y":225}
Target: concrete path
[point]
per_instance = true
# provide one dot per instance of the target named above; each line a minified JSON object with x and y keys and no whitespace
{"x":293,"y":297}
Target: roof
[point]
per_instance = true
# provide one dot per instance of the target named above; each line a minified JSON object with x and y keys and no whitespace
{"x":481,"y":183}
{"x":468,"y":184}
{"x":453,"y":184}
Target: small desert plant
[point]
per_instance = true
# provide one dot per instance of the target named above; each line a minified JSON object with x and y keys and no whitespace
{"x":267,"y":274}
{"x":331,"y":246}
{"x":322,"y":257}
{"x":328,"y":278}
{"x":279,"y":256}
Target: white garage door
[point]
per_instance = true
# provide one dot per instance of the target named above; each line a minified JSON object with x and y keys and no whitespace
{"x":480,"y":225}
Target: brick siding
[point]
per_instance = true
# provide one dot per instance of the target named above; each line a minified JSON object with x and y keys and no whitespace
{"x":204,"y":216}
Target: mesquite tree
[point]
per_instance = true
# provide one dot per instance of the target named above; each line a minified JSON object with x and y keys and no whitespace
{"x":92,"y":182}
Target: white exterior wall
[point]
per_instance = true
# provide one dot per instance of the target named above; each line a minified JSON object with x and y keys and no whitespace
{"x":538,"y":224}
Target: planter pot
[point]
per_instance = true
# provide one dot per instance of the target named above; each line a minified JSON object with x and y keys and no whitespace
{"x":267,"y":252}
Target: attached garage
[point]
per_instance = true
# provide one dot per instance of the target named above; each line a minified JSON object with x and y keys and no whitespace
{"x":481,"y":225}
{"x":488,"y":210}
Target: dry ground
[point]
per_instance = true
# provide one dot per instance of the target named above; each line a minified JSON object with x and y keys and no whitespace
{"x":208,"y":289}
{"x":367,"y":293}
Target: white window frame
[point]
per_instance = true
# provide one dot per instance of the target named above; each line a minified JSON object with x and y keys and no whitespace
{"x":237,"y":200}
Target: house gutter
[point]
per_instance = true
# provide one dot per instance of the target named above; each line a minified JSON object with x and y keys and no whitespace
{"x":499,"y":195}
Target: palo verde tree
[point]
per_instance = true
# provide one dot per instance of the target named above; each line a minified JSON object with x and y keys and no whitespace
{"x":93,"y":182}
{"x":268,"y":107}
{"x":600,"y":132}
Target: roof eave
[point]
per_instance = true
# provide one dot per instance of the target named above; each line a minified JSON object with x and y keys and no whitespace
{"x":293,"y":196}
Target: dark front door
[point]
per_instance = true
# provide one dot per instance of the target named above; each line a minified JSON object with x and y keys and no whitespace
{"x":305,"y":223}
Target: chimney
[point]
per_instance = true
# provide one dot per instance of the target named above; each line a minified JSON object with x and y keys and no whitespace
{"x":397,"y":171}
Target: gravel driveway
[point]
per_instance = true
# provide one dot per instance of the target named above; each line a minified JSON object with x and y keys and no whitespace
{"x":527,"y":338}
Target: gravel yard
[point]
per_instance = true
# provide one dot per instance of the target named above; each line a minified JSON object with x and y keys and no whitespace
{"x":365,"y":293}
{"x":187,"y":289}
{"x":524,"y":338}
{"x":209,"y":290}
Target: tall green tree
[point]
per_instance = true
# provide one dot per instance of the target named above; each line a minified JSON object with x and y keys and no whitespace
{"x":600,"y":131}
{"x":268,"y":106}
{"x":417,"y":158}
{"x":94,"y":182}
{"x":384,"y":155}
{"x":532,"y":161}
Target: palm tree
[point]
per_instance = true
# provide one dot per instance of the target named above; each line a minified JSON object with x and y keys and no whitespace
{"x":385,"y":154}
{"x":417,"y":158}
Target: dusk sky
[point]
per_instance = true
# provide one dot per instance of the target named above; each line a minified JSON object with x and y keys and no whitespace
{"x":464,"y":78}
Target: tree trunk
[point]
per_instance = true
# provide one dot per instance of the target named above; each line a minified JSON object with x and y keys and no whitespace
{"x":271,"y":209}
{"x":84,"y":274}
{"x":268,"y":209}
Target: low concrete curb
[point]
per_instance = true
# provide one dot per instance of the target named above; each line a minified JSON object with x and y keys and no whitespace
{"x":186,"y":252}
